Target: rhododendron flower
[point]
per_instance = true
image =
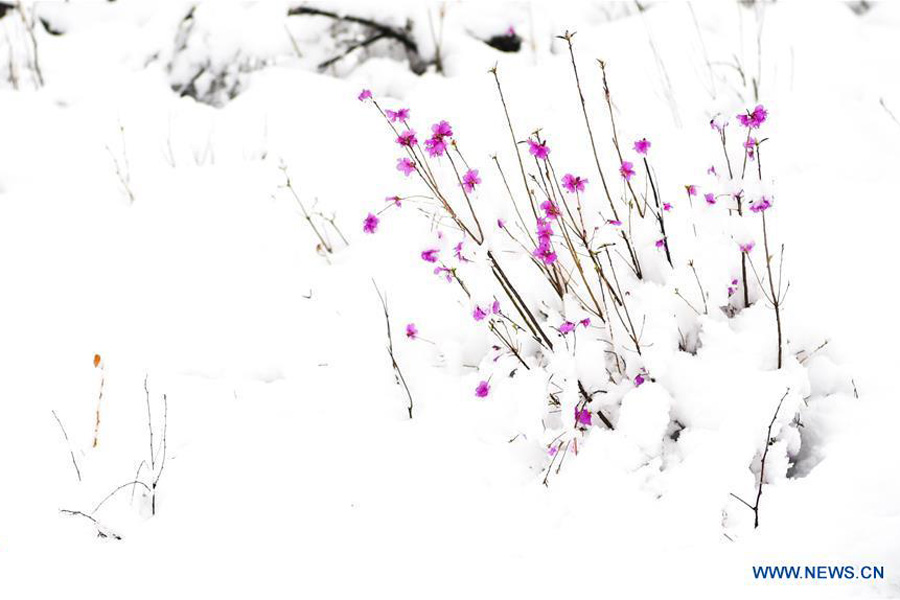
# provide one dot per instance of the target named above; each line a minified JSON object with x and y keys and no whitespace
{"x":407,"y":138}
{"x":747,"y":247}
{"x":435,"y":146}
{"x":710,"y":198}
{"x":370,"y":224}
{"x":483,"y":389}
{"x":478,"y":314}
{"x":752,"y":120}
{"x":638,"y":380}
{"x":583,"y":416}
{"x":712,"y":171}
{"x":691,"y":190}
{"x":448,"y":274}
{"x":667,"y":206}
{"x":401,"y":115}
{"x":731,"y":291}
{"x":734,"y":282}
{"x":550,"y":209}
{"x":457,"y":252}
{"x":573,"y":183}
{"x":430,"y":255}
{"x":441,"y":130}
{"x":495,"y":307}
{"x":470,"y":180}
{"x":545,"y":253}
{"x":538,"y":150}
{"x":661,"y":242}
{"x":501,"y":223}
{"x":627,"y":170}
{"x":760,"y":205}
{"x":406,"y":166}
{"x":615,"y":222}
{"x":641,"y":146}
{"x":411,"y":331}
{"x":553,"y":450}
{"x":750,"y":145}
{"x":396,"y":200}
{"x":585,"y":322}
{"x":567,"y":327}
{"x":365,"y":95}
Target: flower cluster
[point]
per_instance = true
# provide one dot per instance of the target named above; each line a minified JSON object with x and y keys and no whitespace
{"x":544,"y":250}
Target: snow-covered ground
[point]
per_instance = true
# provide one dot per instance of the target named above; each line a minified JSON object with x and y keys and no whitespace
{"x":152,"y":257}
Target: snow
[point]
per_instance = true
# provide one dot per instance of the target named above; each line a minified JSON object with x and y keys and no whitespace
{"x":292,"y":467}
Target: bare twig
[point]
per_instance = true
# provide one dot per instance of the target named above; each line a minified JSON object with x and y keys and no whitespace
{"x":66,"y":435}
{"x":390,"y":348}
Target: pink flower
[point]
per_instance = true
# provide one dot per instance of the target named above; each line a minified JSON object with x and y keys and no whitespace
{"x":448,"y":274}
{"x":761,"y":205}
{"x":511,"y":31}
{"x":550,"y":209}
{"x":750,"y":146}
{"x":495,"y":307}
{"x":627,"y":170}
{"x":483,"y":389}
{"x":470,"y":180}
{"x":406,"y":166}
{"x":710,"y":198}
{"x":585,"y":322}
{"x":365,"y":95}
{"x":457,"y":252}
{"x":752,"y":120}
{"x":573,"y":183}
{"x":545,"y":253}
{"x":641,"y":146}
{"x":411,"y":331}
{"x":615,"y":222}
{"x":667,"y":206}
{"x":479,"y":314}
{"x":583,"y":416}
{"x":407,"y":138}
{"x":395,"y":200}
{"x":370,"y":224}
{"x":430,"y":255}
{"x":691,"y":190}
{"x":734,"y":282}
{"x":747,"y":247}
{"x":441,"y":130}
{"x":712,"y":171}
{"x":436,"y":146}
{"x":638,"y":380}
{"x":567,"y":327}
{"x":501,"y":223}
{"x":661,"y":243}
{"x":552,"y":450}
{"x":401,"y":115}
{"x":538,"y":149}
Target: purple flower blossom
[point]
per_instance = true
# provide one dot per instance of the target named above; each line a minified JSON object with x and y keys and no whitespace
{"x":365,"y":95}
{"x":470,"y":180}
{"x":495,"y":307}
{"x":586,"y":322}
{"x":395,"y":200}
{"x":710,"y":198}
{"x":407,"y":138}
{"x":448,"y":274}
{"x":627,"y":170}
{"x":401,"y":115}
{"x":538,"y":149}
{"x":435,"y":146}
{"x":441,"y":130}
{"x":661,"y":243}
{"x":641,"y":146}
{"x":483,"y":389}
{"x":691,"y":190}
{"x":615,"y":222}
{"x":753,"y":120}
{"x":411,"y":331}
{"x":552,"y":450}
{"x":761,"y":205}
{"x":712,"y":171}
{"x":747,"y":247}
{"x":734,"y":282}
{"x":406,"y":166}
{"x":550,"y":209}
{"x":583,"y":416}
{"x":638,"y":380}
{"x":370,"y":224}
{"x":501,"y":223}
{"x":479,"y":314}
{"x":667,"y":206}
{"x":430,"y":255}
{"x":750,"y":146}
{"x":545,"y":253}
{"x":457,"y":252}
{"x":573,"y":183}
{"x":567,"y":327}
